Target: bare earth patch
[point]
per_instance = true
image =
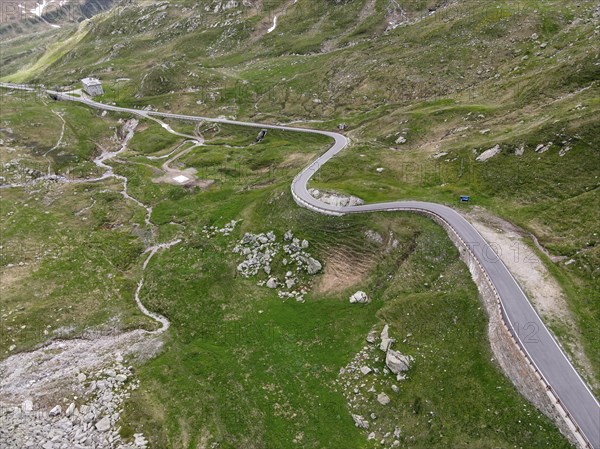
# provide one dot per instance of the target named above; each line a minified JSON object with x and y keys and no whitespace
{"x":542,"y":289}
{"x":343,"y":271}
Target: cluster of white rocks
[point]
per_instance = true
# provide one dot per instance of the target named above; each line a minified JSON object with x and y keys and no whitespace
{"x":369,"y":383}
{"x":263,"y":252}
{"x":260,"y":250}
{"x":335,"y":199}
{"x":520,"y":150}
{"x":212,"y":231}
{"x":87,"y":422}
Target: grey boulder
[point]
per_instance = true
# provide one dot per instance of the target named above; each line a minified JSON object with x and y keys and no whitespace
{"x":397,"y":362}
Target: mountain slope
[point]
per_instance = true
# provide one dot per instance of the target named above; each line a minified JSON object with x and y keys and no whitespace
{"x":498,"y":100}
{"x":452,"y":77}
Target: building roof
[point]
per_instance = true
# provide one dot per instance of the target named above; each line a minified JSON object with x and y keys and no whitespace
{"x":91,"y":81}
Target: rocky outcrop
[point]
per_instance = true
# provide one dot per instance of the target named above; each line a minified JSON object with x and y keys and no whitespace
{"x":386,"y":341}
{"x":212,"y":231}
{"x":488,"y":154}
{"x":542,"y":148}
{"x":369,"y":385}
{"x":397,"y":362}
{"x":336,"y":199}
{"x":313,"y":266}
{"x":359,"y":297}
{"x":520,"y":150}
{"x":360,"y":422}
{"x":272,"y":283}
{"x":383,"y":399}
{"x":374,"y":237}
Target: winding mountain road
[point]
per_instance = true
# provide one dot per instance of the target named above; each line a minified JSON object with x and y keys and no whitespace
{"x":562,"y":381}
